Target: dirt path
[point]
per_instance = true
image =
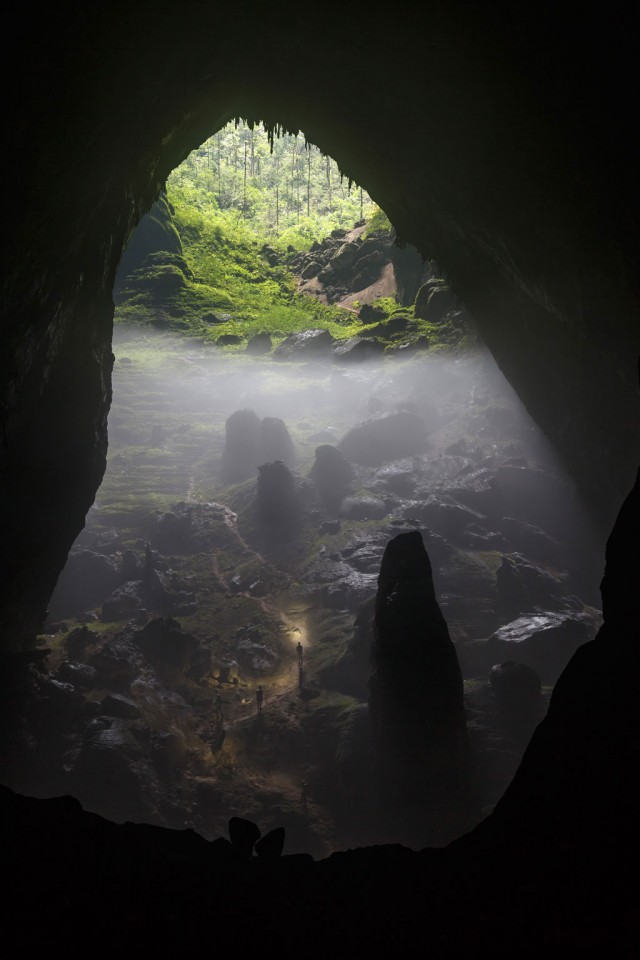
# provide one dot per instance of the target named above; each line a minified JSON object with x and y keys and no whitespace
{"x":288,"y":677}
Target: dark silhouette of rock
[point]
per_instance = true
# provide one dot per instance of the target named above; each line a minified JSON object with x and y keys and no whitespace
{"x":79,"y":639}
{"x":357,"y":350}
{"x":79,"y":674}
{"x":422,"y":759}
{"x":381,"y":439}
{"x":332,"y":474}
{"x":243,"y":835}
{"x":259,"y":344}
{"x":275,"y":442}
{"x":271,"y":845}
{"x":240,"y":454}
{"x":308,"y":345}
{"x":370,"y":314}
{"x":172,"y":532}
{"x":516,"y":688}
{"x":166,"y":644}
{"x":156,"y":232}
{"x":251,"y":441}
{"x":409,"y":269}
{"x":434,"y":301}
{"x":277,"y":499}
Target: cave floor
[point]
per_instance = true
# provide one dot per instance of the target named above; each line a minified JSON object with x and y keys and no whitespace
{"x":186,"y":745}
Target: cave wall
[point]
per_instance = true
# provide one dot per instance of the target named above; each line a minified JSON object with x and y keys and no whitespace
{"x":491,"y":136}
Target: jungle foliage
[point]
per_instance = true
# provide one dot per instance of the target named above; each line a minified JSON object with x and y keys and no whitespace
{"x":241,"y":210}
{"x":283,"y":188}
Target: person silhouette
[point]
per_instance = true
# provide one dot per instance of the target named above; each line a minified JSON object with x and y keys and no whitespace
{"x":300,"y":650}
{"x":259,"y":699}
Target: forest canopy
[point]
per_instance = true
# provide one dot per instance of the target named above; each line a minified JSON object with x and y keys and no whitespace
{"x":280,"y":187}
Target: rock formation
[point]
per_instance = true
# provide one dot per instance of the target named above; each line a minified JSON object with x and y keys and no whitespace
{"x":251,"y":441}
{"x":422,"y":759}
{"x":275,"y":442}
{"x":240,"y":454}
{"x":332,"y":474}
{"x":277,"y":500}
{"x":380,"y":439}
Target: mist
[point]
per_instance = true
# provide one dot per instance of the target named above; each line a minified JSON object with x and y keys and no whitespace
{"x":218,"y":609}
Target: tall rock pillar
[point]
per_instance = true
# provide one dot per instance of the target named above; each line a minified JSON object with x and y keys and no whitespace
{"x":423,"y":769}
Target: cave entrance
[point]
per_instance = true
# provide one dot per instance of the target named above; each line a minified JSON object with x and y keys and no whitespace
{"x":178,"y":602}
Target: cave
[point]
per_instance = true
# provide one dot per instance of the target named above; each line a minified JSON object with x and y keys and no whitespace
{"x":521,"y":183}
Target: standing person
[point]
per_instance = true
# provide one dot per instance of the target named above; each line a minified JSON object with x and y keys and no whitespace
{"x":259,"y":699}
{"x":218,"y":709}
{"x":300,"y":650}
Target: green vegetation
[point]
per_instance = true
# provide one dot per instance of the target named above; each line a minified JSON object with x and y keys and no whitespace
{"x":214,"y":258}
{"x":283,"y":188}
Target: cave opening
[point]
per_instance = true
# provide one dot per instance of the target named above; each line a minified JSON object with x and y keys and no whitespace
{"x":177,"y":603}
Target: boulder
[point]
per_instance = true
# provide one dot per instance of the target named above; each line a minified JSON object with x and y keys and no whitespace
{"x":242,"y":439}
{"x":344,"y":258}
{"x":357,"y":350}
{"x":275,"y":443}
{"x":381,"y":439}
{"x":332,"y":474}
{"x":308,"y":345}
{"x":166,"y":645}
{"x":370,"y":314}
{"x":171,"y":531}
{"x":80,"y":675}
{"x":259,"y":344}
{"x":155,"y":232}
{"x":277,"y":500}
{"x":312,"y":269}
{"x":399,"y":477}
{"x":433,"y":301}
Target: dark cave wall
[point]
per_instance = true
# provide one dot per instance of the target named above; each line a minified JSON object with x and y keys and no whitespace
{"x":507,"y":180}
